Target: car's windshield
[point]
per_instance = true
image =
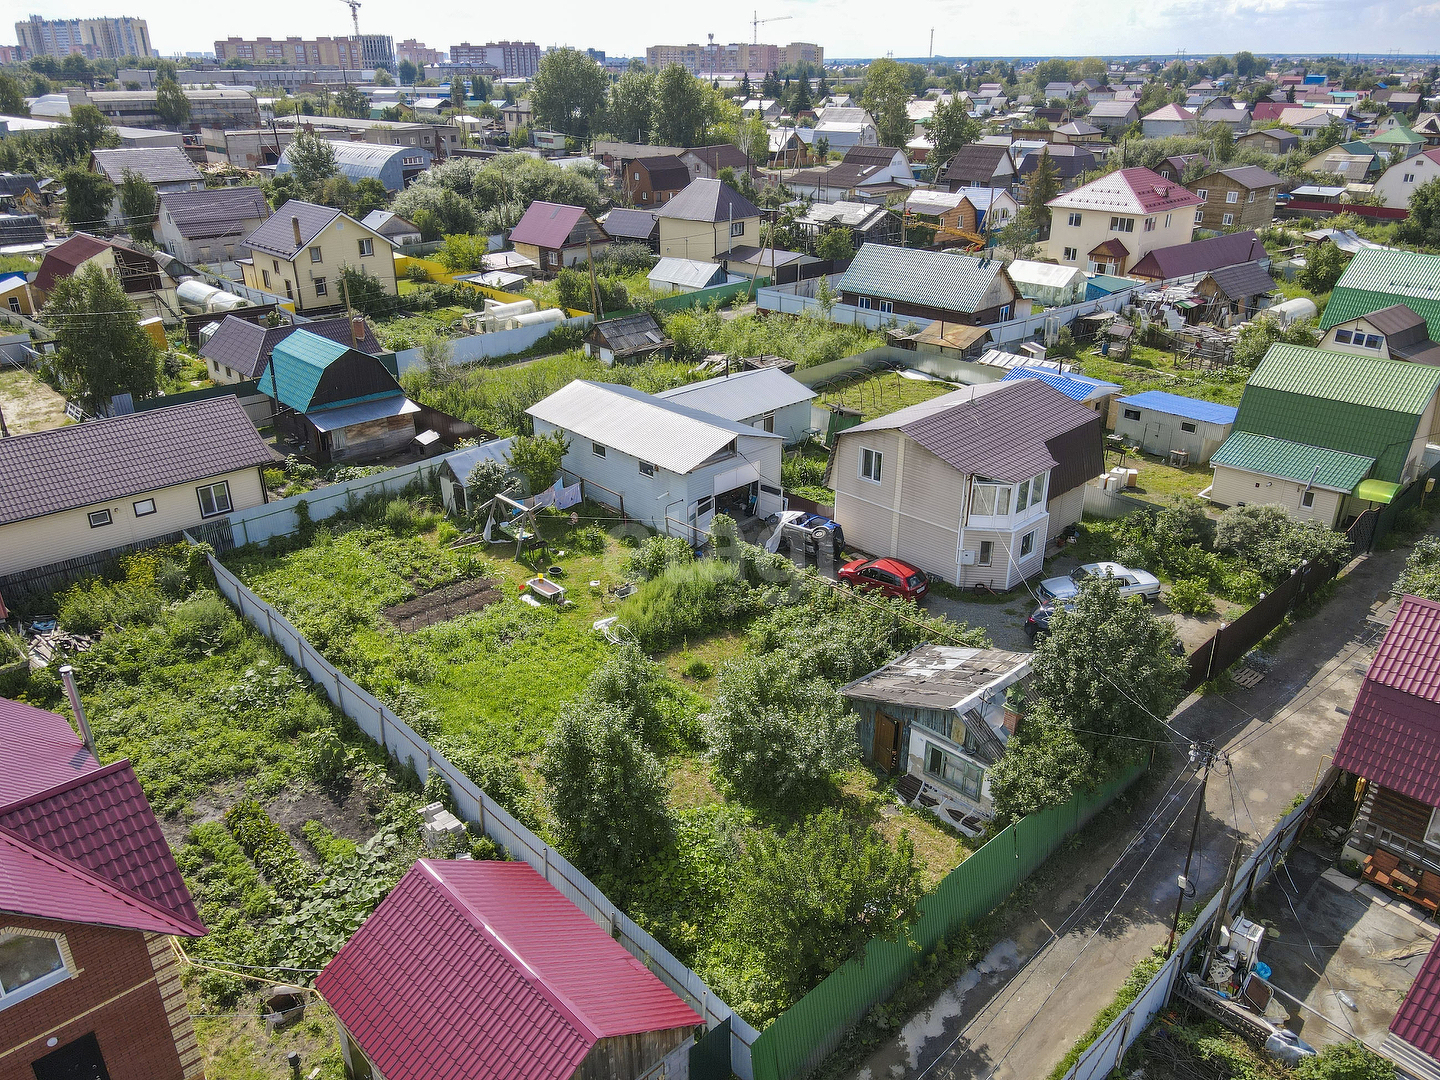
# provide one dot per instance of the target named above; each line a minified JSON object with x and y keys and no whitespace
{"x":1080,"y":574}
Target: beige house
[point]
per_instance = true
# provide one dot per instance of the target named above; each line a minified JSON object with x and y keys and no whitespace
{"x":969,"y":487}
{"x":709,"y":221}
{"x":1110,"y":224}
{"x":93,"y":487}
{"x":303,"y":250}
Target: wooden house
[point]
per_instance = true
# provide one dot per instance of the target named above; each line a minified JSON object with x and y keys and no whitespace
{"x":554,"y":236}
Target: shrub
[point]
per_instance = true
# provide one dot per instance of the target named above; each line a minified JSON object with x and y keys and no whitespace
{"x":486,"y":480}
{"x":634,"y":684}
{"x":93,"y":605}
{"x":1421,"y":576}
{"x":173,"y":577}
{"x":418,"y":273}
{"x":773,"y":735}
{"x":266,"y":845}
{"x":797,"y":472}
{"x":688,"y":599}
{"x":591,"y":540}
{"x":1191,"y":596}
{"x":274,"y":479}
{"x":445,"y":532}
{"x":498,"y":777}
{"x":656,"y":554}
{"x":324,"y":756}
{"x":538,"y":459}
{"x":699,"y":669}
{"x":1273,"y":544}
{"x":203,"y":626}
{"x":399,"y":517}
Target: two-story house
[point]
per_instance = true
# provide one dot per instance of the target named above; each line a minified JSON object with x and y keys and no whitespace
{"x":165,"y":168}
{"x":1395,"y":333}
{"x":979,"y":165}
{"x":1109,"y":224}
{"x":302,"y":251}
{"x":972,"y":485}
{"x":653,"y":181}
{"x":1239,"y":198}
{"x":209,"y":225}
{"x":711,"y":221}
{"x":554,"y":236}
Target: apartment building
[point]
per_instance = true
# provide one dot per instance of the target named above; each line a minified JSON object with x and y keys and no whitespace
{"x":514,"y":59}
{"x":95,"y":39}
{"x":416,"y":53}
{"x":734,"y":57}
{"x":342,"y":52}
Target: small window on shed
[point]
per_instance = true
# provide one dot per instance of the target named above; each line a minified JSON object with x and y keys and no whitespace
{"x":597,"y":449}
{"x":647,"y":469}
{"x":1308,"y":499}
{"x":1132,"y":414}
{"x":1188,"y":428}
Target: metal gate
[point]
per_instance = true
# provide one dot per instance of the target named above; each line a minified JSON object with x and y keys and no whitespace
{"x":710,"y":1056}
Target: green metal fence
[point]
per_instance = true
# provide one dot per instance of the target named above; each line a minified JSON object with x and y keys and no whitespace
{"x":800,"y":1038}
{"x":701,"y":297}
{"x":1403,"y":501}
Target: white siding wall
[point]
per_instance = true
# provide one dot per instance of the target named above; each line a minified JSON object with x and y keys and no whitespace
{"x":791,"y":422}
{"x":1234,"y":486}
{"x":68,"y":535}
{"x":1160,"y":432}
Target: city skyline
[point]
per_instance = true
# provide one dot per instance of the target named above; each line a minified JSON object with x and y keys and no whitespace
{"x":844,"y":28}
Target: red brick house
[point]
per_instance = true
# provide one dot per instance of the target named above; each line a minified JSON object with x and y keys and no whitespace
{"x":654,"y":181}
{"x":483,"y":969}
{"x":89,"y":899}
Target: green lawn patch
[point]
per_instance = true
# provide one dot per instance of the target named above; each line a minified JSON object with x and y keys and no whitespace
{"x":884,"y":392}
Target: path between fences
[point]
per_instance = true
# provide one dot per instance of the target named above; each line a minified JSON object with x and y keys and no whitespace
{"x":1018,"y":1013}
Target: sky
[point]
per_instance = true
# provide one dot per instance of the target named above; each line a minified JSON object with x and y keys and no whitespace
{"x":845,"y":28}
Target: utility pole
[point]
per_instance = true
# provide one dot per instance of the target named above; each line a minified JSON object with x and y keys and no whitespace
{"x":594,"y":288}
{"x":1202,"y":755}
{"x":1222,"y":917}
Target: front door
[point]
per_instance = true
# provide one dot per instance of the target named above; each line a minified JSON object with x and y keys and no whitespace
{"x":885,"y":747}
{"x":78,"y":1060}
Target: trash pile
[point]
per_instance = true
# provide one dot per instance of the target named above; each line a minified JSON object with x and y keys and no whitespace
{"x":46,"y":641}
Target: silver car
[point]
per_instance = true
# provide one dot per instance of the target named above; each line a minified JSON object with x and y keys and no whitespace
{"x":1132,"y":582}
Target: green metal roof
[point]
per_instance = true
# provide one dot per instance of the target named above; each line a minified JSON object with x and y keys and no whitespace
{"x":1352,"y":404}
{"x":1379,"y":277}
{"x":1285,"y":460}
{"x":297,"y":365}
{"x":1396,"y":136}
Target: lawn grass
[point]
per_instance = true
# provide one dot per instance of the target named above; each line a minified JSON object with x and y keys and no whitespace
{"x":882,"y":393}
{"x":1158,"y":481}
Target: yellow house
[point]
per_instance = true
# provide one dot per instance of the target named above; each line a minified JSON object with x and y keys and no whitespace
{"x":16,"y":297}
{"x":1110,"y":224}
{"x":709,"y":221}
{"x":301,"y":252}
{"x":90,"y":488}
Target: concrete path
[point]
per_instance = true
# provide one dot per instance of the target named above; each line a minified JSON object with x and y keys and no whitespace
{"x":1017,"y":1015}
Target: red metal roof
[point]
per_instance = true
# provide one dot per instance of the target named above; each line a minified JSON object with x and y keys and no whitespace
{"x":78,"y":841}
{"x":546,"y":224}
{"x":472,"y":969}
{"x":1393,"y":734}
{"x":1418,"y":1021}
{"x":65,"y":258}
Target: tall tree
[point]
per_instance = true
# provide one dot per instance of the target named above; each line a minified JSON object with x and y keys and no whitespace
{"x":12,"y":97}
{"x":680,"y":107}
{"x":951,"y":127}
{"x":312,"y":160}
{"x":1040,"y":187}
{"x":632,"y":105}
{"x":100,"y":348}
{"x":139,"y":203}
{"x":383,"y":77}
{"x":770,"y":86}
{"x":802,"y":101}
{"x":408,"y":72}
{"x":745,"y":91}
{"x":171,"y":104}
{"x":88,"y":196}
{"x":352,"y":102}
{"x":1248,"y":65}
{"x":457,"y":93}
{"x":569,"y":92}
{"x":886,"y":94}
{"x":1423,"y":224}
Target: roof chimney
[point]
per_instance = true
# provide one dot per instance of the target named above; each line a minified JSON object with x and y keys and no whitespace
{"x":295,"y":224}
{"x":67,"y":676}
{"x":357,"y":331}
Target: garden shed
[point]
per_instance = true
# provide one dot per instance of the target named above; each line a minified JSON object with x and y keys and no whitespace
{"x":1159,"y":423}
{"x":937,"y":716}
{"x":455,"y":469}
{"x":685,"y":275}
{"x":630,"y":338}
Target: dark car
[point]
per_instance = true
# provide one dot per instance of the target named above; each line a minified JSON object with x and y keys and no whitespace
{"x":810,"y":532}
{"x":890,"y":576}
{"x":1039,"y":621}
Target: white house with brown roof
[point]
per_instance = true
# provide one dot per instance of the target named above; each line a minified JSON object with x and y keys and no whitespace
{"x":210,"y":225}
{"x":92,"y":487}
{"x":1109,"y":224}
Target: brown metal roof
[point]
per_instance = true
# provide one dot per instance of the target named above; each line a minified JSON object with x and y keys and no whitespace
{"x":667,"y":172}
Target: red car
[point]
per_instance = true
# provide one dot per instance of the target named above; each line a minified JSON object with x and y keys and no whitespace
{"x":890,"y":576}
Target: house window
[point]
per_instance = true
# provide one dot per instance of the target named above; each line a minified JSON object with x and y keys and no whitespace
{"x":99,"y":518}
{"x":1202,"y":194}
{"x":29,"y":963}
{"x":1167,"y":221}
{"x":1232,"y":196}
{"x":1132,"y":414}
{"x":1005,"y":313}
{"x":1149,"y":224}
{"x":1432,"y":831}
{"x":1027,"y":544}
{"x":1251,"y":198}
{"x":15,"y":304}
{"x":647,"y":469}
{"x":737,"y":228}
{"x":144,"y":508}
{"x":1342,"y":337}
{"x":265,"y":278}
{"x":322,"y":288}
{"x":1189,"y":429}
{"x":1122,"y":224}
{"x":1308,"y":499}
{"x":1199,"y":215}
{"x":865,"y":302}
{"x":1228,"y":219}
{"x":987,"y":551}
{"x":870,"y":461}
{"x":1074,"y":221}
{"x":990,"y":499}
{"x":887,"y":306}
{"x":1071,"y":254}
{"x":214,"y":499}
{"x":964,"y":776}
{"x":1373,"y":341}
{"x":1409,"y":178}
{"x":597,"y":449}
{"x":314,"y":254}
{"x":367,"y":247}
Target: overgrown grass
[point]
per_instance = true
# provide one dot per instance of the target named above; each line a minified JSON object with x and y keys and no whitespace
{"x":806,"y":340}
{"x":884,"y":392}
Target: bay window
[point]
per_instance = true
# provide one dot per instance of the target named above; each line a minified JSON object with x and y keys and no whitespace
{"x":999,"y":499}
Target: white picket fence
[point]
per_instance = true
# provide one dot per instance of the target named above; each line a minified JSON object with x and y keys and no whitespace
{"x":1109,"y":1048}
{"x":473,"y":805}
{"x":474,"y":347}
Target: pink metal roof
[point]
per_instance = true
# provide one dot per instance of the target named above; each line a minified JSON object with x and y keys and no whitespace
{"x":78,"y":841}
{"x":51,"y":751}
{"x":1418,"y":1021}
{"x":1393,"y":734}
{"x":484,"y":969}
{"x":546,"y":224}
{"x":1129,"y":191}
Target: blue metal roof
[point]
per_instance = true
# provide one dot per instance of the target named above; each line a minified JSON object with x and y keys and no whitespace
{"x":1078,"y":387}
{"x":296,"y":366}
{"x":1177,"y":405}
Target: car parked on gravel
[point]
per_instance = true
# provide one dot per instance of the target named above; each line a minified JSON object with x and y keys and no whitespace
{"x":889,"y":576}
{"x":1039,"y":621}
{"x":1132,"y":582}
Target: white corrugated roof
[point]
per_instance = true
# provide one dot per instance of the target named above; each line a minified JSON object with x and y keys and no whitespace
{"x":661,"y":432}
{"x":691,"y":273}
{"x":743,"y":394}
{"x":1046,"y":274}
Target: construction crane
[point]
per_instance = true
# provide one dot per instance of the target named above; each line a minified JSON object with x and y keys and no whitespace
{"x":354,"y":6}
{"x":754,"y":23}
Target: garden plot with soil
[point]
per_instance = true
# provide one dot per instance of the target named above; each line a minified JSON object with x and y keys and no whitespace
{"x":502,"y":688}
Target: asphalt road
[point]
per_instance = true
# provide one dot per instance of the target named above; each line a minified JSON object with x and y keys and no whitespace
{"x":1017,"y":1014}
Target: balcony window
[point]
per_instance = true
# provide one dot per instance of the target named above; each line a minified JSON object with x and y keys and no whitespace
{"x":994,"y":502}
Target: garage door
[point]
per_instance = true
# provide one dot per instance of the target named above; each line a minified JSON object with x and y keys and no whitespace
{"x":731,"y":479}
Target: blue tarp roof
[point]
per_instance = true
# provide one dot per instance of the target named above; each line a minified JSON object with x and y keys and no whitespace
{"x":1177,"y":405}
{"x":1078,"y":387}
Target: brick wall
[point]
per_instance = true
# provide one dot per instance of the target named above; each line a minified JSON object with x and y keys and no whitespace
{"x":117,"y":995}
